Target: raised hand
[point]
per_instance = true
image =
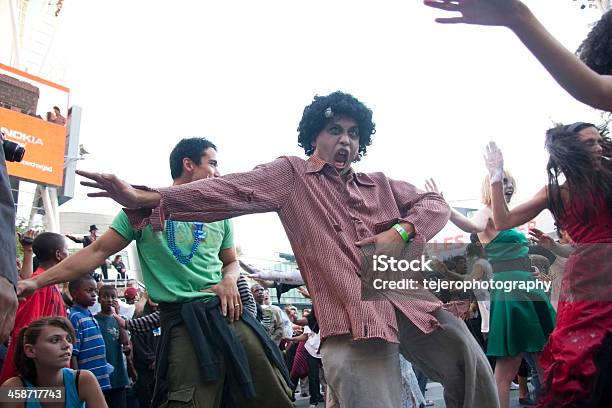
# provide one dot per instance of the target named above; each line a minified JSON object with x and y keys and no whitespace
{"x":119,"y":190}
{"x":541,"y":238}
{"x":115,"y":307}
{"x":481,"y":12}
{"x":494,"y":160}
{"x":27,"y":239}
{"x":304,"y":292}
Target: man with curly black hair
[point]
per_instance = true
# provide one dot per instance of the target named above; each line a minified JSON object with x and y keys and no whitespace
{"x":588,"y":80}
{"x":317,"y":114}
{"x":332,"y":215}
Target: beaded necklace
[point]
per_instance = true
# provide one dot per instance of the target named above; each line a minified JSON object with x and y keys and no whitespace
{"x":199,"y":235}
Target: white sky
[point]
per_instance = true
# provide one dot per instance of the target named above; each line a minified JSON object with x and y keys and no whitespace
{"x":148,"y":73}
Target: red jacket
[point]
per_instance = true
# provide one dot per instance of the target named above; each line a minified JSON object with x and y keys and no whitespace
{"x":43,"y":303}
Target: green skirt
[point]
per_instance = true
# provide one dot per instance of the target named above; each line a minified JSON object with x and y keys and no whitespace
{"x":520,"y":321}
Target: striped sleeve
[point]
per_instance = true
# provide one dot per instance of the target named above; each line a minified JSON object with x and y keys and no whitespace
{"x":246,"y":297}
{"x":144,"y":324}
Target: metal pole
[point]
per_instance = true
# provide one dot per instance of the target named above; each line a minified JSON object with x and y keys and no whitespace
{"x":48,"y":206}
{"x":54,"y":208}
{"x":34,"y":209}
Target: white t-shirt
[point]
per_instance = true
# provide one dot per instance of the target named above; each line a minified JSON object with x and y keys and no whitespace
{"x":125,"y":309}
{"x":313,"y":342}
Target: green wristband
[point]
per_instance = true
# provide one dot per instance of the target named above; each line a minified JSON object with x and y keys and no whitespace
{"x":403,"y":233}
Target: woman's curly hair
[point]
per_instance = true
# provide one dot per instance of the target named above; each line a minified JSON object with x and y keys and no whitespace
{"x":596,"y":50}
{"x":341,"y":104}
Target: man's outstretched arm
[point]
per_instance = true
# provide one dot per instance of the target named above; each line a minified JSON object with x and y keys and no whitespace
{"x":573,"y":75}
{"x":83,"y":262}
{"x":75,"y":239}
{"x":264,"y":189}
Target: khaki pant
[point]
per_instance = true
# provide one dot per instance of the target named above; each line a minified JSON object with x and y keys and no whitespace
{"x":362,"y":373}
{"x":185,"y":389}
{"x":367,"y":373}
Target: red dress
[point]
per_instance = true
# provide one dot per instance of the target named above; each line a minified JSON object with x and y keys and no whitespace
{"x":44,"y":302}
{"x":584,"y":318}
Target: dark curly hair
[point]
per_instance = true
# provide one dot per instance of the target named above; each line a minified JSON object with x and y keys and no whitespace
{"x":596,"y":50}
{"x":570,"y":157}
{"x":341,"y":104}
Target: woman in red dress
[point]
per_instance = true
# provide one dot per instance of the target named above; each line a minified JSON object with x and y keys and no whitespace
{"x":578,"y":356}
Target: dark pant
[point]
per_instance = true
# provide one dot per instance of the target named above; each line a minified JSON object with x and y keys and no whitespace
{"x":104,"y":270}
{"x":186,"y":389}
{"x":290,"y":355}
{"x":451,"y":356}
{"x":314,"y":386}
{"x":115,"y":397}
{"x":145,"y":386}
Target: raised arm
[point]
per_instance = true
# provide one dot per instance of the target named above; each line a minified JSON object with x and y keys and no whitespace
{"x":573,"y":75}
{"x":81,"y":263}
{"x":474,"y":225}
{"x":27,"y":240}
{"x":562,"y":250}
{"x":504,"y":218}
{"x":264,"y":189}
{"x":75,"y":239}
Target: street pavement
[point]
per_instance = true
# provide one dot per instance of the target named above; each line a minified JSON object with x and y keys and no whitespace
{"x":434,"y":392}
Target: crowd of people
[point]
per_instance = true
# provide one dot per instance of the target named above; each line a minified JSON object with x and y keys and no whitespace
{"x":201,"y":336}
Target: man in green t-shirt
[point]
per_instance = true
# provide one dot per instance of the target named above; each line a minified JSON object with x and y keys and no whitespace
{"x":190,"y":268}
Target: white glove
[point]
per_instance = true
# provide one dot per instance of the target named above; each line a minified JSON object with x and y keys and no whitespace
{"x":494,"y":160}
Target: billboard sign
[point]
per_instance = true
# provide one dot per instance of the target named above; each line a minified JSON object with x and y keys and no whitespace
{"x":32,"y":113}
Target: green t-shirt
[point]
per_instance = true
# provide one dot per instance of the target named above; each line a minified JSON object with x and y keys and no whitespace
{"x":168,"y":280}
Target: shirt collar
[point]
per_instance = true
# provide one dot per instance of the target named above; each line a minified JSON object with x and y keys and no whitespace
{"x":315,"y":165}
{"x":80,"y":308}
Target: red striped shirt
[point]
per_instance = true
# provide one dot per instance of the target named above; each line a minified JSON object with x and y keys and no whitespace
{"x":323,"y":214}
